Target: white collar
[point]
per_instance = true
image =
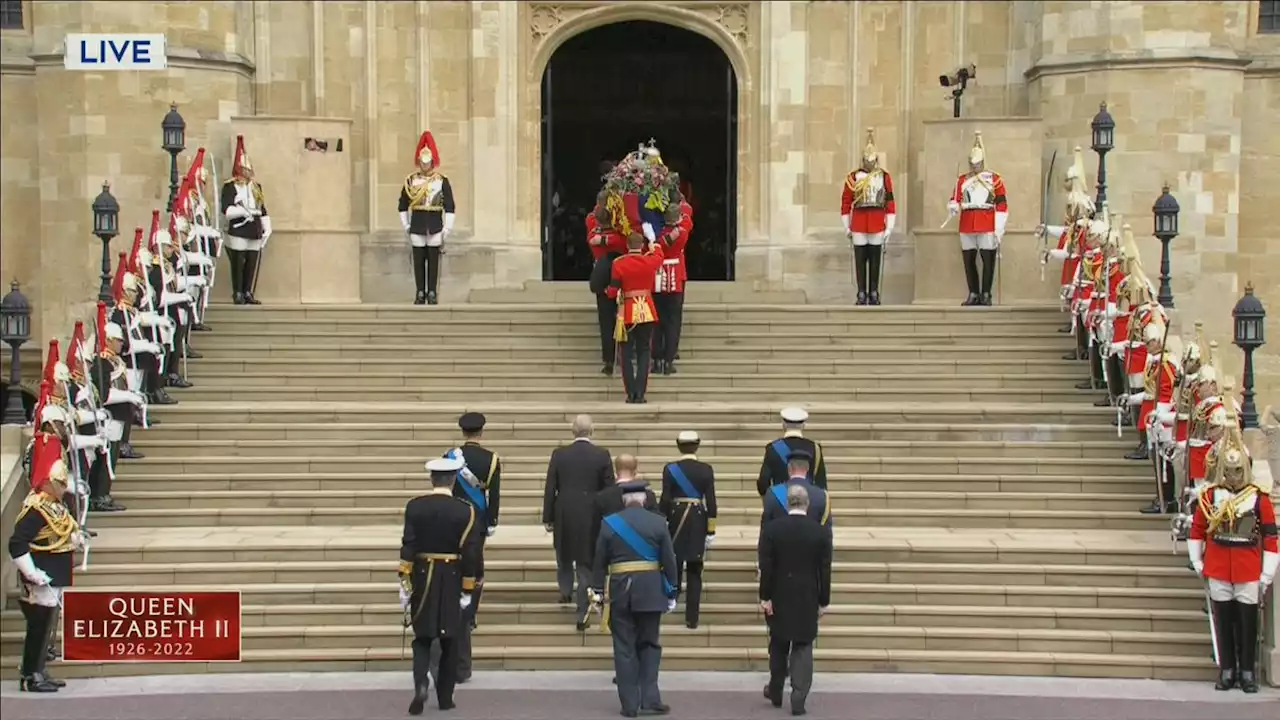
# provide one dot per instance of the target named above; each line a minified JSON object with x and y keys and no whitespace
{"x":585,"y":439}
{"x":442,"y":491}
{"x":793,"y":434}
{"x":690,"y":456}
{"x":797,"y":512}
{"x":801,"y":478}
{"x":619,"y":481}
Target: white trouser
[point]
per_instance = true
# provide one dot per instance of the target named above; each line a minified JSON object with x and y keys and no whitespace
{"x":860,"y":239}
{"x":1246,"y":593}
{"x":427,"y":240}
{"x":1137,"y":381}
{"x":241,"y":244}
{"x":978,"y":241}
{"x":43,"y":595}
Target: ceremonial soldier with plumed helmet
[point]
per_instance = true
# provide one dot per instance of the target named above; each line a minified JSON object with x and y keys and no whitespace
{"x":869,"y":213}
{"x":248,"y":226}
{"x":773,"y":469}
{"x":109,"y":375}
{"x":427,"y":212}
{"x":980,"y":201}
{"x":439,"y":555}
{"x":689,"y":504}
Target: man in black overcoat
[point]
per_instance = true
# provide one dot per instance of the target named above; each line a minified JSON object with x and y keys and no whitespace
{"x":576,"y":474}
{"x":689,"y":504}
{"x":795,"y":590}
{"x":439,"y":554}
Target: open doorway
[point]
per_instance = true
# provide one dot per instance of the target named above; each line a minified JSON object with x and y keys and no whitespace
{"x":608,"y":90}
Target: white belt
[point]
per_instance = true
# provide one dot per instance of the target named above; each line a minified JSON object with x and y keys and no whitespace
{"x":977,"y":207}
{"x":672,"y":261}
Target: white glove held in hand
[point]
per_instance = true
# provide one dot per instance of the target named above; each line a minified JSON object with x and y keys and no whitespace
{"x":34,"y":575}
{"x":404,"y":598}
{"x":671,"y":605}
{"x":710,"y":540}
{"x":466,"y":601}
{"x":492,"y":529}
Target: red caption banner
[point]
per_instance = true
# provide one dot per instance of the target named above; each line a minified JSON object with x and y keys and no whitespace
{"x":102,"y":626}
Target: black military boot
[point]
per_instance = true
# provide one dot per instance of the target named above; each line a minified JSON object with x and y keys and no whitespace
{"x":970,"y":258}
{"x":860,"y":271}
{"x":988,"y":275}
{"x":128,"y":453}
{"x":1248,"y":650}
{"x":1140,"y":452}
{"x":177,"y":381}
{"x":420,"y":298}
{"x":432,"y":299}
{"x":1225,"y":626}
{"x":874,"y":257}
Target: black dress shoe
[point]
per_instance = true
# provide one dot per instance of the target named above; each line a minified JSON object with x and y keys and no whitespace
{"x":607,"y":370}
{"x":663,"y":709}
{"x":419,"y":699}
{"x":249,"y":299}
{"x":432,"y":299}
{"x":582,"y":626}
{"x":128,"y":453}
{"x":668,"y":369}
{"x":1226,"y":680}
{"x":201,"y":327}
{"x":629,"y":713}
{"x":1141,"y":453}
{"x":798,"y":711}
{"x":193,"y":355}
{"x":55,"y":681}
{"x":177,"y":381}
{"x":873,"y":298}
{"x":237,"y":299}
{"x":862,"y":298}
{"x":986,"y":302}
{"x":36,"y":683}
{"x":446,"y":704}
{"x":565,"y":600}
{"x":1248,"y":682}
{"x":420,"y":298}
{"x":774,"y":698}
{"x":691,"y":624}
{"x":972,"y":300}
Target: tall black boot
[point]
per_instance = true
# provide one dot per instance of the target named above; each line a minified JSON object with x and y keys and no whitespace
{"x":1140,"y":452}
{"x":1095,"y":380}
{"x":1248,"y":648}
{"x":988,"y":274}
{"x":860,"y":270}
{"x":51,"y":652}
{"x":34,"y":646}
{"x":433,"y":275}
{"x":420,"y":275}
{"x":875,"y":253}
{"x":251,"y":259}
{"x":970,"y":258}
{"x":1224,"y":627}
{"x":235,"y":259}
{"x":1082,"y":343}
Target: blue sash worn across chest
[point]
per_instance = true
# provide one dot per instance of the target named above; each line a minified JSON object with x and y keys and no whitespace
{"x":638,"y":545}
{"x":677,"y":474}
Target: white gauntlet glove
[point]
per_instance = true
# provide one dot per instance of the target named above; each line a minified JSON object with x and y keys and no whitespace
{"x":953,"y":208}
{"x":492,"y":529}
{"x":711,"y":538}
{"x":671,"y":604}
{"x":405,"y":597}
{"x":465,"y":601}
{"x":33,"y":574}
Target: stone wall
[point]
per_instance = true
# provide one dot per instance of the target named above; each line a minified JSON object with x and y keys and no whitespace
{"x":1192,"y":86}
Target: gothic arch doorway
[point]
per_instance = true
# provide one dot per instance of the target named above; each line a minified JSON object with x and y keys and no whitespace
{"x":608,"y":89}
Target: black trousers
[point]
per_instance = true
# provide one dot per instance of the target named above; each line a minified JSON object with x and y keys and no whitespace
{"x":36,"y":642}
{"x":636,"y":352}
{"x":637,"y":657}
{"x":607,"y":314}
{"x":666,"y":340}
{"x":793,"y":659}
{"x":426,"y":269}
{"x":447,"y":657}
{"x":692,"y":591}
{"x":181,"y":330}
{"x":244,"y":270}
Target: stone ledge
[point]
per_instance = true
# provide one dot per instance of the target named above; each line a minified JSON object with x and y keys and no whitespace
{"x":182,"y":58}
{"x":1205,"y":59}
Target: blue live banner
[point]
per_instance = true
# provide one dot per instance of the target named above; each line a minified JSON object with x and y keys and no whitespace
{"x":115,"y":51}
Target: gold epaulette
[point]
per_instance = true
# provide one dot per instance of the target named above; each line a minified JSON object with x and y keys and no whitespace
{"x":59,"y":524}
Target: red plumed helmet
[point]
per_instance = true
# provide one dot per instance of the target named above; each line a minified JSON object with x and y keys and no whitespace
{"x":50,"y":362}
{"x":100,"y":331}
{"x":75,"y":363}
{"x":46,"y":460}
{"x":133,"y":254}
{"x":117,"y":285}
{"x":45,"y":389}
{"x":427,"y":143}
{"x":241,"y":162}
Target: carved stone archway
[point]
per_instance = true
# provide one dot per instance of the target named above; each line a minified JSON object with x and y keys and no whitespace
{"x":732,"y":26}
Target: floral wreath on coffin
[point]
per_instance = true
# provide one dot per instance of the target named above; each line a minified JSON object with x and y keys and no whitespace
{"x":639,"y":189}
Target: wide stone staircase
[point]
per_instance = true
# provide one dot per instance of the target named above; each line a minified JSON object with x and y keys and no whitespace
{"x":985,"y":521}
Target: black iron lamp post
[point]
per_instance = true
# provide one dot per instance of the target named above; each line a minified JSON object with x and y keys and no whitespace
{"x":106,"y":225}
{"x":15,"y":329}
{"x":1165,"y":228}
{"x":1104,"y":136}
{"x":174,"y":141}
{"x":1250,"y":326}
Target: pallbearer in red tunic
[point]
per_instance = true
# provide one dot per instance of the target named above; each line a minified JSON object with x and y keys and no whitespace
{"x":1155,"y":403}
{"x":869,"y":213}
{"x":1075,"y":222}
{"x":980,"y":201}
{"x":606,"y":245}
{"x":669,"y":285}
{"x":632,"y":286}
{"x":1233,"y":545}
{"x":427,"y":215}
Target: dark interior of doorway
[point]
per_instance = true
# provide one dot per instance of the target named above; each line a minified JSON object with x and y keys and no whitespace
{"x":608,"y":90}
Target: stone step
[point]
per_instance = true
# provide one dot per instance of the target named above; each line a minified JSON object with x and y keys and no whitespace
{"x":684,"y":380}
{"x":1135,"y":620}
{"x":737,"y":365}
{"x":171,"y":545}
{"x":901,"y":465}
{"x":584,"y":305}
{"x":893,"y":517}
{"x":508,"y":575}
{"x":324,"y":593}
{"x":688,"y":414}
{"x":604,"y":389}
{"x":1073,"y":485}
{"x":729,"y":454}
{"x":585,"y":348}
{"x":609,"y":434}
{"x":755,"y":659}
{"x":706,"y":291}
{"x":522,"y":503}
{"x":849,"y":637}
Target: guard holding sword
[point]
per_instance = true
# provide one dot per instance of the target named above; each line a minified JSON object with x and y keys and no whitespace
{"x":869,"y":213}
{"x":634,"y":583}
{"x":250,"y":226}
{"x":689,"y":504}
{"x":980,"y":201}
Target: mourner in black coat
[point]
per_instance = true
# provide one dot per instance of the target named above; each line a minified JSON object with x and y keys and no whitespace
{"x":576,"y":474}
{"x":634,"y":578}
{"x":689,"y":504}
{"x":439,"y":554}
{"x":773,"y":468}
{"x":795,"y":589}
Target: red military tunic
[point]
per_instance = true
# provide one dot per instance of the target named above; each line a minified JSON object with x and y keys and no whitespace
{"x":674,"y":273}
{"x":982,"y":218}
{"x":1136,"y":359}
{"x":632,"y":285}
{"x":614,"y":242}
{"x":1072,"y":247}
{"x":1161,"y":383}
{"x":1090,"y":272}
{"x":1229,"y":558}
{"x":1188,"y":400}
{"x":1198,"y":447}
{"x":869,"y":218}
